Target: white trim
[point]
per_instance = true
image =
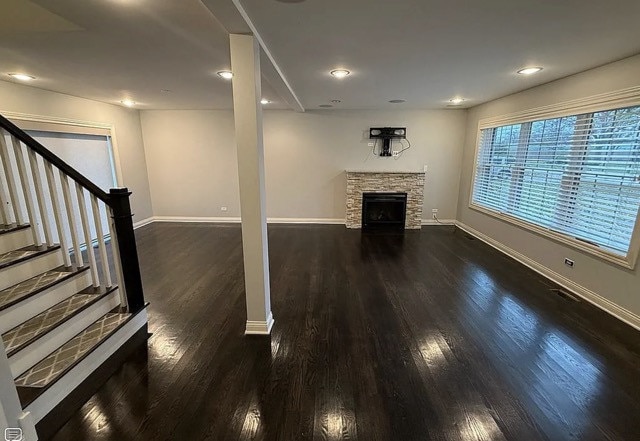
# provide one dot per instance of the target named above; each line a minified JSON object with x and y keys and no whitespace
{"x":627,"y":262}
{"x":237,"y":220}
{"x":187,"y":219}
{"x":56,"y":120}
{"x":260,"y":327}
{"x":143,"y":222}
{"x":605,"y":101}
{"x":304,"y":220}
{"x":441,"y":222}
{"x":606,"y":305}
{"x":109,"y":129}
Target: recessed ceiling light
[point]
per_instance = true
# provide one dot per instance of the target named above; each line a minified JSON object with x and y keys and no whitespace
{"x":336,"y":101}
{"x":22,"y":77}
{"x":529,"y":70}
{"x":128,"y":103}
{"x":340,"y":73}
{"x":397,"y":101}
{"x":457,"y":100}
{"x":325,"y":106}
{"x":226,"y":74}
{"x":264,"y":101}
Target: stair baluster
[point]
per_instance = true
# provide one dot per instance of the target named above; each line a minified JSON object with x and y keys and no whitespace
{"x":102,"y":248}
{"x":40,"y":197}
{"x":11,"y":181}
{"x":88,"y":239}
{"x":71,"y":218}
{"x":26,"y":191}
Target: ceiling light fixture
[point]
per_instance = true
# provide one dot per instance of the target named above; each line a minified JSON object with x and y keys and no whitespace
{"x":325,"y":106}
{"x":336,"y":101}
{"x":264,"y":101}
{"x":340,"y":73}
{"x":226,"y":74}
{"x":397,"y":101}
{"x":456,"y":101}
{"x":529,"y":70}
{"x":128,"y":103}
{"x":22,"y":77}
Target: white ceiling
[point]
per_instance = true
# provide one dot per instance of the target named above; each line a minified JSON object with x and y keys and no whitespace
{"x":109,"y":50}
{"x":423,"y":51}
{"x":427,"y":51}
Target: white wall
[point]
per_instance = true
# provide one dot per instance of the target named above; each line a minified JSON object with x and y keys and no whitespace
{"x":192,"y":165}
{"x":613,"y":283}
{"x":29,"y":100}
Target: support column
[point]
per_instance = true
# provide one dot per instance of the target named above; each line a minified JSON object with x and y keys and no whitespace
{"x":245,"y":64}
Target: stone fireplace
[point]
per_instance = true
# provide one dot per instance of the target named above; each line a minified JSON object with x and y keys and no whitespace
{"x":360,"y":182}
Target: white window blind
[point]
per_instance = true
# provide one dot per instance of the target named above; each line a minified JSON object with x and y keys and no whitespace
{"x":575,"y":175}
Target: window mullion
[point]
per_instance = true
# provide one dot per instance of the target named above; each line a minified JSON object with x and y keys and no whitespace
{"x":566,"y":207}
{"x":517,"y":172}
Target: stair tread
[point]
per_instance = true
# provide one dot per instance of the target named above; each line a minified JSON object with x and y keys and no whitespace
{"x":29,"y":331}
{"x":38,"y":378}
{"x":8,"y":228}
{"x":23,"y":290}
{"x":62,"y":358}
{"x":25,"y":253}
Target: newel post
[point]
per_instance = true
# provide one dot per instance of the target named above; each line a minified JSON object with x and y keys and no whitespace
{"x":126,"y":243}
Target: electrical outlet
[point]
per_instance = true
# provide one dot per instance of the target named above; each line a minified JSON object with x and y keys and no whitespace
{"x":396,"y":154}
{"x":371,"y":144}
{"x":434,"y":211}
{"x":223,"y":208}
{"x":568,"y":262}
{"x":425,"y":168}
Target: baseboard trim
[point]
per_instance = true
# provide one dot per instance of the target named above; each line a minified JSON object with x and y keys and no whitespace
{"x":236,"y":220}
{"x":438,"y":222}
{"x":187,"y":219}
{"x":590,"y":296}
{"x":143,"y":222}
{"x":303,"y":220}
{"x":260,"y":327}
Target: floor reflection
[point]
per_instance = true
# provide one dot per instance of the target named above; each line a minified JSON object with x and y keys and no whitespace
{"x":540,"y":359}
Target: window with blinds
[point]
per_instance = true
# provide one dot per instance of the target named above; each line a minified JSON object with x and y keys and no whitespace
{"x":575,"y":175}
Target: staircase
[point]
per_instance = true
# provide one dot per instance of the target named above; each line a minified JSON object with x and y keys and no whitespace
{"x":71,"y":299}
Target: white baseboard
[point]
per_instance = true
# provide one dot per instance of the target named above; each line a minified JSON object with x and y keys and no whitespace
{"x":606,"y":305}
{"x":236,"y":220}
{"x":439,"y":222}
{"x":304,"y":220}
{"x":188,"y":219}
{"x":142,"y":223}
{"x":260,"y":327}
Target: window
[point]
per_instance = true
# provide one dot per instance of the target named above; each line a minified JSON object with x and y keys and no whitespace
{"x":576,"y":177}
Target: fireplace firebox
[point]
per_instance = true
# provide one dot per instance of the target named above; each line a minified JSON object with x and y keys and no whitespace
{"x":384,"y":210}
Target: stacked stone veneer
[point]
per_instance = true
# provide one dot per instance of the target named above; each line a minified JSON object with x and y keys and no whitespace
{"x":382,"y":182}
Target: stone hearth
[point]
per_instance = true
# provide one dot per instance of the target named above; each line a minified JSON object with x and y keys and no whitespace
{"x":359,"y":182}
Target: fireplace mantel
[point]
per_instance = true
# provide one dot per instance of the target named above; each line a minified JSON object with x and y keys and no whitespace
{"x":361,"y":181}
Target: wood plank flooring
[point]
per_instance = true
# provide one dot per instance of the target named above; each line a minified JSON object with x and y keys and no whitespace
{"x":424,"y":336}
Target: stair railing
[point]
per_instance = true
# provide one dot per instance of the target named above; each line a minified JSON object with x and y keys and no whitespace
{"x":37,"y":183}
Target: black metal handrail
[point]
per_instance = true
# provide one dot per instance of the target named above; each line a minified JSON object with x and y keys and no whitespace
{"x":54,"y":160}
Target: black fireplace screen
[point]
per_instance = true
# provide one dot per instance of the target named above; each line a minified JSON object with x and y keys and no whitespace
{"x":384,"y":210}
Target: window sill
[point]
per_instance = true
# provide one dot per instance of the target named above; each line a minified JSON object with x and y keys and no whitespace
{"x":628,"y":261}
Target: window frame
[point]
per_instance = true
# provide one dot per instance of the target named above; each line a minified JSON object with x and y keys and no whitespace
{"x":608,"y":101}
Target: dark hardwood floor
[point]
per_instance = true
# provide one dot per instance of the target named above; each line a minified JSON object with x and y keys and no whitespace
{"x":426,"y":336}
